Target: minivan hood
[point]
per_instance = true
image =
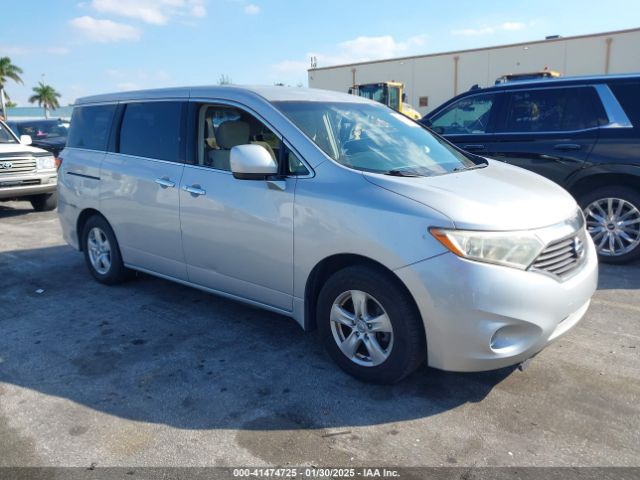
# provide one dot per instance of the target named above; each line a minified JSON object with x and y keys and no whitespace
{"x":496,"y":197}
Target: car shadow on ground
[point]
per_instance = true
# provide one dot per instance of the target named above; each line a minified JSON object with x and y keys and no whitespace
{"x":615,"y":277}
{"x":155,"y":351}
{"x":11,"y":210}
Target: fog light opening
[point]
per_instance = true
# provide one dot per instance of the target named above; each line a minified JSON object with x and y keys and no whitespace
{"x":510,"y":338}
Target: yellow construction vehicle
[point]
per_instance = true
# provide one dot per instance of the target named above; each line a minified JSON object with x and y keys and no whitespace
{"x":389,"y":93}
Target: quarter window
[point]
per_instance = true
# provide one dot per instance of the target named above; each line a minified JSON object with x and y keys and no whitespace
{"x":467,"y":116}
{"x":90,"y":127}
{"x":551,"y":110}
{"x":151,"y":130}
{"x":628,"y":94}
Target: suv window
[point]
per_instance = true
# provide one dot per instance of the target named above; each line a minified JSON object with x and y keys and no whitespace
{"x":551,"y":110}
{"x":467,"y":116}
{"x":151,"y":130}
{"x":90,"y":127}
{"x":628,"y":94}
{"x":5,"y":135}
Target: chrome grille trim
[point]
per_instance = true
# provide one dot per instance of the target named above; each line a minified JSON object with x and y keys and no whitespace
{"x":562,"y":257}
{"x":18,"y":165}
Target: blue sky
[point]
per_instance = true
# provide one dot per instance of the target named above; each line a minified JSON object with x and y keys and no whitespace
{"x":96,"y":46}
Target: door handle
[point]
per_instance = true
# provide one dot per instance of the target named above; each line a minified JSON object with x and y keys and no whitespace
{"x":474,"y":147}
{"x":164,"y":182}
{"x":194,"y":190}
{"x":565,"y":147}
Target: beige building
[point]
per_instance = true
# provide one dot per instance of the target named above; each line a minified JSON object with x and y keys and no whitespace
{"x":434,"y":78}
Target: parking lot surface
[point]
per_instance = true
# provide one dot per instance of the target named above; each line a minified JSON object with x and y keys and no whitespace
{"x":151,"y":373}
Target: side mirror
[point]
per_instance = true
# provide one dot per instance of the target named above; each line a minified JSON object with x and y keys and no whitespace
{"x":26,"y":139}
{"x":252,"y":162}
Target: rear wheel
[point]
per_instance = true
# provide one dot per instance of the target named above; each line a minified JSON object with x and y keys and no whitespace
{"x":44,"y":202}
{"x":102,"y":253}
{"x":613,"y":220}
{"x":370,"y":325}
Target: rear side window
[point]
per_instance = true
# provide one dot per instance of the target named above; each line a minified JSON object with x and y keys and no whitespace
{"x":151,"y":130}
{"x":90,"y":127}
{"x":628,"y":94}
{"x":551,"y":110}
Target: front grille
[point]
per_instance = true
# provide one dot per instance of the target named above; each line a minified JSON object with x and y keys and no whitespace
{"x":562,"y":257}
{"x":14,"y":165}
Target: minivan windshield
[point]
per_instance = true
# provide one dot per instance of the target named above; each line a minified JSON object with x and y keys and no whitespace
{"x":374,"y":138}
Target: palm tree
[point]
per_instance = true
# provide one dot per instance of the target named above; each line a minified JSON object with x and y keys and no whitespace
{"x":46,"y":96}
{"x":8,"y":71}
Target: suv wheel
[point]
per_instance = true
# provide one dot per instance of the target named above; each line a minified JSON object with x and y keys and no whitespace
{"x":101,"y":252}
{"x":44,"y":202}
{"x":613,"y":220}
{"x":370,"y":325}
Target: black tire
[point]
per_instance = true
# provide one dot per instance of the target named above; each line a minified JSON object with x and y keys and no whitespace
{"x":45,"y":202}
{"x":117,"y":272}
{"x":409,"y":343}
{"x":626,"y":193}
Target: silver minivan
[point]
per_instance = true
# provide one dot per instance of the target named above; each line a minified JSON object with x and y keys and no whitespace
{"x":334,"y":210}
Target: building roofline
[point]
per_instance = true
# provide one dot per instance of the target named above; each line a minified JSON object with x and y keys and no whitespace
{"x":479,"y":49}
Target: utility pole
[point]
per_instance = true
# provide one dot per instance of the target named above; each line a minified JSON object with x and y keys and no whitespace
{"x":3,"y":105}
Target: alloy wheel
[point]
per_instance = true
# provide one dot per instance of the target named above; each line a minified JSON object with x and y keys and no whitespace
{"x":99,"y":250}
{"x":361,"y":328}
{"x":614,"y":225}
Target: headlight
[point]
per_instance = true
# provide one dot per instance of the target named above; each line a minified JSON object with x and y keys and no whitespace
{"x":46,"y":163}
{"x":513,"y":249}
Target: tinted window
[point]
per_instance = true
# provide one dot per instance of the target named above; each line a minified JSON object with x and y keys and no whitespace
{"x":5,"y":135}
{"x":90,"y":127}
{"x":466,"y":116}
{"x":551,"y":110}
{"x":628,"y":94}
{"x":151,"y":130}
{"x":43,"y":129}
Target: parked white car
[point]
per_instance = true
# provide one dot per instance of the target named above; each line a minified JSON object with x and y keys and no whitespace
{"x":26,"y":172}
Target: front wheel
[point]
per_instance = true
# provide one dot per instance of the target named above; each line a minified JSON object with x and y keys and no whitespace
{"x":370,"y":325}
{"x":44,"y":202}
{"x":613,"y":220}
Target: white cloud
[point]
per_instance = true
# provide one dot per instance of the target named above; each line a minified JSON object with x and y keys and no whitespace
{"x":513,"y":26}
{"x":488,"y":29}
{"x":468,"y":32}
{"x":25,"y":50}
{"x":252,"y":9}
{"x":156,"y":12}
{"x":368,"y":48}
{"x":360,"y":49}
{"x":138,"y":78}
{"x":127,"y":86}
{"x":104,"y":31}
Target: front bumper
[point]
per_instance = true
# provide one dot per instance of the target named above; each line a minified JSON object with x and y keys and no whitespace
{"x":479,"y":316}
{"x":16,"y":186}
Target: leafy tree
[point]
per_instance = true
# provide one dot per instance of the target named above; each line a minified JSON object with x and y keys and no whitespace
{"x":45,"y":96}
{"x":8,"y":71}
{"x":225,"y":80}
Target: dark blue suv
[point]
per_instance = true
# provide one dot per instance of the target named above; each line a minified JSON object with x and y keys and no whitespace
{"x":581,"y":132}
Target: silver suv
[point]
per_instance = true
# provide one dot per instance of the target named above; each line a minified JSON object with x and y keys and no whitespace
{"x":334,"y":210}
{"x":26,"y":173}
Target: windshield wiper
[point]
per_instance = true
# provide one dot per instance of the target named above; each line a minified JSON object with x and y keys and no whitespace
{"x":472,"y":167}
{"x":402,"y":173}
